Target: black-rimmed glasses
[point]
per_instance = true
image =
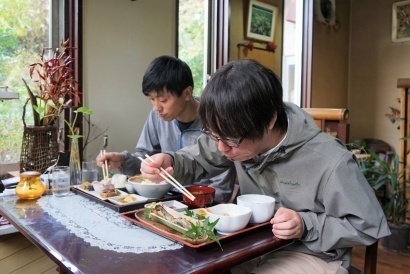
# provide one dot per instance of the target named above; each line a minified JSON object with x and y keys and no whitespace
{"x":226,"y":141}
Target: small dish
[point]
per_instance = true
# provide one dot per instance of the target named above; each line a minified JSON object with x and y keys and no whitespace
{"x":138,"y":200}
{"x":130,"y":189}
{"x":100,"y":186}
{"x":175,"y":205}
{"x":96,"y":194}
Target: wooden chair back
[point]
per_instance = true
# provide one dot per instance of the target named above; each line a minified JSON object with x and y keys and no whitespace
{"x":332,"y":121}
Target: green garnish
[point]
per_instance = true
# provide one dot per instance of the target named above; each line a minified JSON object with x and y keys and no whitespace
{"x":192,"y":214}
{"x":189,"y":212}
{"x":198,"y":231}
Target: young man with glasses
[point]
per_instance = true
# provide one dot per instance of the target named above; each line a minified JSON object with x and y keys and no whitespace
{"x":172,"y":123}
{"x":322,"y":198}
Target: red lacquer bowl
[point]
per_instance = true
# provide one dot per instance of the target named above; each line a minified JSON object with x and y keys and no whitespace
{"x":204,"y":196}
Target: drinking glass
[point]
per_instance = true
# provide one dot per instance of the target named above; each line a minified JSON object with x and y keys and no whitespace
{"x":89,"y":172}
{"x":61,"y":181}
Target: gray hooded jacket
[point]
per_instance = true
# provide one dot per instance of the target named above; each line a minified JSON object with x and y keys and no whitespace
{"x":158,"y":136}
{"x":312,"y":173}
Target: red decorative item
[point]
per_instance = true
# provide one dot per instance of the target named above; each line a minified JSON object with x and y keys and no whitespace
{"x":250,"y":46}
{"x":271,"y":46}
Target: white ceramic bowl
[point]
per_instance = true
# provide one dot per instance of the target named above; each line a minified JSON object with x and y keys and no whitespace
{"x":129,"y":187}
{"x":262,"y":206}
{"x":100,"y":186}
{"x":231,"y":217}
{"x":152,"y":190}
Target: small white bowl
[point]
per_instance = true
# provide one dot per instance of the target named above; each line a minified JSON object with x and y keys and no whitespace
{"x":262,"y":206}
{"x":231,"y":217}
{"x":99,"y":186}
{"x":130,"y":189}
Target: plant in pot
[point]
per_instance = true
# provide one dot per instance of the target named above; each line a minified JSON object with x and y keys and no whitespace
{"x":395,"y":207}
{"x":56,"y":88}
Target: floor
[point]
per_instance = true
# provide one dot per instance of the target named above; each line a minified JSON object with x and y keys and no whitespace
{"x":388,"y":262}
{"x":19,"y":255}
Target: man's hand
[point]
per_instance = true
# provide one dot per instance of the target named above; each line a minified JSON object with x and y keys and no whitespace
{"x":287,"y":224}
{"x":114,"y":160}
{"x":150,"y":170}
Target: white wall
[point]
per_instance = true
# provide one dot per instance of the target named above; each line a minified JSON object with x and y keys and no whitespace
{"x":120,"y":39}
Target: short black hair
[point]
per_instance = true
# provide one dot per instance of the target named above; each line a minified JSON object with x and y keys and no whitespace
{"x":241,"y":99}
{"x":167,"y":72}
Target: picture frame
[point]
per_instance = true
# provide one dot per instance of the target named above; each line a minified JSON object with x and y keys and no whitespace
{"x":261,"y":21}
{"x":400,"y":21}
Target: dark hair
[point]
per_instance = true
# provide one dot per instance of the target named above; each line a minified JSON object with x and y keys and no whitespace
{"x":167,"y":72}
{"x":241,"y":99}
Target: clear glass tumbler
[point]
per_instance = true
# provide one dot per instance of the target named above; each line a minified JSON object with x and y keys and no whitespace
{"x":61,"y":181}
{"x":89,"y":172}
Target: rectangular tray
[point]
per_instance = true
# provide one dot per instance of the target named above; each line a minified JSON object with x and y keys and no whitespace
{"x":137,"y":217}
{"x":126,"y":208}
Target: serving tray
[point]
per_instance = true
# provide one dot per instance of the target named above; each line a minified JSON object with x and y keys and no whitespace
{"x":137,"y":217}
{"x":125,"y":207}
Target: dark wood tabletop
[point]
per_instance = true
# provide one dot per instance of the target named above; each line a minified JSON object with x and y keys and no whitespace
{"x":61,"y":228}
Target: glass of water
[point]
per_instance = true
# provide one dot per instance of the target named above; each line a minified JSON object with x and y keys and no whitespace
{"x":61,"y":181}
{"x":89,"y":173}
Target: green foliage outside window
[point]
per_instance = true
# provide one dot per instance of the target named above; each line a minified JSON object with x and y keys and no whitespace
{"x":24,"y":28}
{"x":191,"y":39}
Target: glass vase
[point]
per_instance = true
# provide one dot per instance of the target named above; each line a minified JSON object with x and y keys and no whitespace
{"x":75,"y":163}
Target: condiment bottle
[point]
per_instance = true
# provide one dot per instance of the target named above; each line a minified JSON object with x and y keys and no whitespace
{"x":30,"y":185}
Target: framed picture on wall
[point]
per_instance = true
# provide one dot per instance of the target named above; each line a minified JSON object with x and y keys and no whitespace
{"x":401,"y":22}
{"x":260,"y":23}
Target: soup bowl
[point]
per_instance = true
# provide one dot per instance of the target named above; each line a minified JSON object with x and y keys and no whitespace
{"x":204,"y":196}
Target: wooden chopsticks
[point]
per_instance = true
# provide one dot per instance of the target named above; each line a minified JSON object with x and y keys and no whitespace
{"x":105,"y":168}
{"x":168,"y":177}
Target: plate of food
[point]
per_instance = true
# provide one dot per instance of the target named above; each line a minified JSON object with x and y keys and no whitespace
{"x":127,"y":199}
{"x":102,"y":194}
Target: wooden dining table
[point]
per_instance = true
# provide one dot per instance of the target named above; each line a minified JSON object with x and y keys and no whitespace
{"x":83,"y":236}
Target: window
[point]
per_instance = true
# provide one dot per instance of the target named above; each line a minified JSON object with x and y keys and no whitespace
{"x":24,"y":32}
{"x":192,"y":33}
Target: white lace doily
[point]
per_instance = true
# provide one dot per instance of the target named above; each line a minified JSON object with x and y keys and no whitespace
{"x":103,"y":227}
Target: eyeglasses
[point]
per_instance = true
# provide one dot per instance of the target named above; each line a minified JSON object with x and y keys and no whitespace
{"x":226,"y":141}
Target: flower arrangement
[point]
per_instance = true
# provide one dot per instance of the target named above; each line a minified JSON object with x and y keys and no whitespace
{"x":56,"y":85}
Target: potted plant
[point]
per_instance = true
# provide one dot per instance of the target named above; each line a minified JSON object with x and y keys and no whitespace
{"x":56,"y":89}
{"x":378,"y":173}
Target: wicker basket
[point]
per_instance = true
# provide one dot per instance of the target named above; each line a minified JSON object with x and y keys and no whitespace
{"x":39,"y":149}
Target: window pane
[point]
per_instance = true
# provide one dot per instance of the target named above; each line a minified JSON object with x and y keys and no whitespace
{"x":191,"y":38}
{"x":24,"y":32}
{"x":292,"y":50}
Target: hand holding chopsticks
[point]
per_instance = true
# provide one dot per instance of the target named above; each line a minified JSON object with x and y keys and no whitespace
{"x":105,"y":168}
{"x":171,"y":180}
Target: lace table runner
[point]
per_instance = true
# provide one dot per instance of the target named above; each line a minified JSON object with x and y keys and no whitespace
{"x":101,"y":226}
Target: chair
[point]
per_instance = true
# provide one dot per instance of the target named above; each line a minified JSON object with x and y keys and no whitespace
{"x":381,"y":148}
{"x":386,"y":154}
{"x":332,"y":121}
